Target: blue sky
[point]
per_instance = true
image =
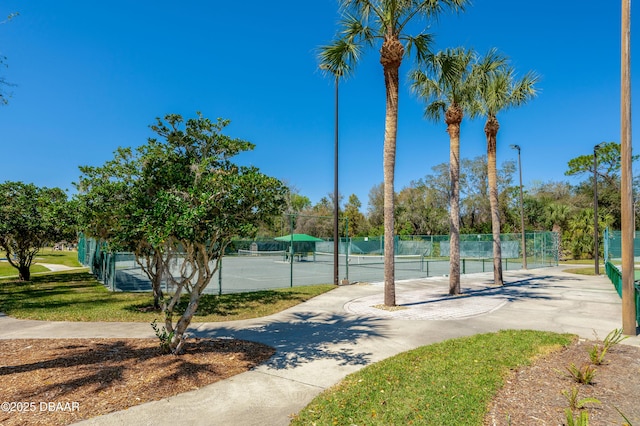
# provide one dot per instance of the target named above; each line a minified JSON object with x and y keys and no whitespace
{"x":92,"y":76}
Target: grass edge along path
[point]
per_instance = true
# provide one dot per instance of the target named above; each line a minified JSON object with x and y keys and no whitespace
{"x":45,"y":255}
{"x":447,"y":383}
{"x":78,"y":296}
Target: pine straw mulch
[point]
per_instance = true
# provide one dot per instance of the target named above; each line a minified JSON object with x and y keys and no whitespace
{"x":534,"y":395}
{"x":62,"y":381}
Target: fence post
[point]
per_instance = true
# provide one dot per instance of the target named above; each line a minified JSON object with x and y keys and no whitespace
{"x":346,"y":256}
{"x":220,"y":276}
{"x":291,"y":252}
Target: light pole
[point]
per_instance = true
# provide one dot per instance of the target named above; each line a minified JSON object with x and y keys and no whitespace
{"x":336,"y":229}
{"x":524,"y":243}
{"x":595,"y":208}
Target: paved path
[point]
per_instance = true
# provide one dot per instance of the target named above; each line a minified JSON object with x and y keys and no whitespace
{"x":320,"y":341}
{"x":52,"y":267}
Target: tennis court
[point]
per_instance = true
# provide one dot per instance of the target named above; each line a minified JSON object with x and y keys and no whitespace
{"x":360,"y":260}
{"x":262,"y":272}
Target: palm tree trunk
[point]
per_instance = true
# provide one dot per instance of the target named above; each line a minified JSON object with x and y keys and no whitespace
{"x":453,"y":118}
{"x":390,"y":57}
{"x":491,"y":131}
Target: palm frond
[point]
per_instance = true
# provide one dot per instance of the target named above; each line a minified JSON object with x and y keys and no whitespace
{"x":354,"y":29}
{"x":435,"y":110}
{"x":499,"y":89}
{"x":525,"y":89}
{"x":421,"y":44}
{"x":492,"y":62}
{"x":425,"y":87}
{"x":364,"y":8}
{"x":339,"y":58}
{"x":446,"y":79}
{"x":429,"y":9}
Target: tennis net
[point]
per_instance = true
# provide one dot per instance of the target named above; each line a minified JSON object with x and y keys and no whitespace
{"x":257,"y":253}
{"x":409,"y":261}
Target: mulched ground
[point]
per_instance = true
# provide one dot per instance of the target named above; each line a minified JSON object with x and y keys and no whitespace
{"x":533,"y":395}
{"x":62,"y":381}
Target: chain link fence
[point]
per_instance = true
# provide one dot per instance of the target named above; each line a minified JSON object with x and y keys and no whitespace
{"x":266,"y":263}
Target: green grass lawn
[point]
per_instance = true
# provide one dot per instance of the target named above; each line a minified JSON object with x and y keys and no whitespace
{"x":448,"y":383}
{"x":77,"y":296}
{"x":6,"y":270}
{"x":586,"y":270}
{"x":58,"y":257}
{"x":46,"y":255}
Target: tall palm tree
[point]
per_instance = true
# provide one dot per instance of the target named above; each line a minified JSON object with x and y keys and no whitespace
{"x":498,"y":91}
{"x":364,"y":23}
{"x":448,"y":86}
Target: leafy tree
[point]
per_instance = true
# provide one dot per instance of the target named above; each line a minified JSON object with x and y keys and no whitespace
{"x":474,"y":203}
{"x":558,"y":216}
{"x":109,"y":213}
{"x":317,"y":220}
{"x":188,"y":199}
{"x":365,"y":22}
{"x":608,"y":161}
{"x":30,"y":218}
{"x":474,"y":188}
{"x":581,"y":231}
{"x":448,"y":88}
{"x":420,"y":210}
{"x":375,"y":210}
{"x":298,"y":202}
{"x":498,"y":91}
{"x":608,"y":181}
{"x":358,"y":224}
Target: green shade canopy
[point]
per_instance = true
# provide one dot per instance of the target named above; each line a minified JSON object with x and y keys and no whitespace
{"x":298,"y":238}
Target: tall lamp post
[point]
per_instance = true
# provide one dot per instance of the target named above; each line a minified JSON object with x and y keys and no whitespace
{"x":336,"y":198}
{"x":336,"y":229}
{"x":524,"y":244}
{"x":596,"y":234}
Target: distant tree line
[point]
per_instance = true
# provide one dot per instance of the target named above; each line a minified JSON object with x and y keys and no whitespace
{"x":422,"y":207}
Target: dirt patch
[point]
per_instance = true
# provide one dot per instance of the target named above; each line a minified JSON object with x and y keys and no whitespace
{"x":62,"y":381}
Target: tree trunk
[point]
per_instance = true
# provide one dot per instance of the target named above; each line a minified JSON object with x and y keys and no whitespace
{"x":157,"y":281}
{"x":151,"y":263}
{"x":453,"y":118}
{"x":178,"y":339}
{"x":491,"y":131}
{"x":24,"y":273}
{"x":198,"y":257}
{"x":390,"y":57}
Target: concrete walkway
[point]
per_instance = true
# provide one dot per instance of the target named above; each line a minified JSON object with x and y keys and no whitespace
{"x":54,"y":267}
{"x":321,"y":341}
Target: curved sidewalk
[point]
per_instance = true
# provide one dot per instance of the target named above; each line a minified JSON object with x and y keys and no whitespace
{"x":321,"y":341}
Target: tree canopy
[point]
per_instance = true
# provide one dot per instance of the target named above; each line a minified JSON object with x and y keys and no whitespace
{"x":608,"y":163}
{"x":30,"y":218}
{"x":181,"y":197}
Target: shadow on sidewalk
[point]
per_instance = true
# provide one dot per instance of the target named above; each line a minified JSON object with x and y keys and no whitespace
{"x":305,"y":337}
{"x":530,"y":287}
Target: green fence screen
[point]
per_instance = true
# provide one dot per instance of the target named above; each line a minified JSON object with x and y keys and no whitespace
{"x":258,"y":264}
